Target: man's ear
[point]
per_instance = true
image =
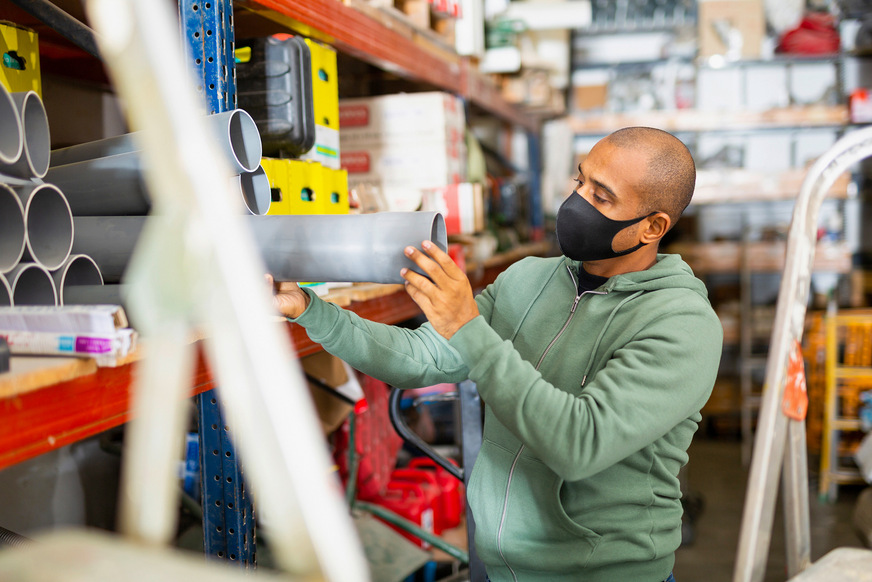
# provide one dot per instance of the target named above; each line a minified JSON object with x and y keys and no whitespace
{"x":658,"y":226}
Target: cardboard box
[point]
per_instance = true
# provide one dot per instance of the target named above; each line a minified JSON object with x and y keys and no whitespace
{"x":743,"y":18}
{"x":19,"y":69}
{"x":427,"y":164}
{"x":461,"y":205}
{"x":404,"y":117}
{"x":330,"y":371}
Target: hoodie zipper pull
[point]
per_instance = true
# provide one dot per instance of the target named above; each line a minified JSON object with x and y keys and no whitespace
{"x":575,"y":303}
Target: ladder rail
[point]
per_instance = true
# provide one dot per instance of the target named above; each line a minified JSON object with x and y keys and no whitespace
{"x":773,"y":428}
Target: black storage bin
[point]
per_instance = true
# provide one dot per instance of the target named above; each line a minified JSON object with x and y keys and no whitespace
{"x":274,"y":85}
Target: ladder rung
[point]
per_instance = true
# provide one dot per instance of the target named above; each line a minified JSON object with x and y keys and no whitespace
{"x":845,"y":424}
{"x":853,"y":372}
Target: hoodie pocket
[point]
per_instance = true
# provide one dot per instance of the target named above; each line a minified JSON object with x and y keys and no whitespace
{"x":537,"y":532}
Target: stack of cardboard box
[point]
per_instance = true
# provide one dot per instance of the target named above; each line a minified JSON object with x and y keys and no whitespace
{"x":403,"y":145}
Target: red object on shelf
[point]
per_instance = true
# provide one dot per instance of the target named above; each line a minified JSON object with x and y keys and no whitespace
{"x":816,"y":34}
{"x":376,"y":442}
{"x":408,"y":500}
{"x":449,"y":507}
{"x":431,"y":489}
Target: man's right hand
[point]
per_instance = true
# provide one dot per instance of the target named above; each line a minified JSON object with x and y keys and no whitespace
{"x":289,"y":302}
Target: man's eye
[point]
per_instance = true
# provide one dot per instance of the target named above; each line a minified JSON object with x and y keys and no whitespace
{"x":600,"y":199}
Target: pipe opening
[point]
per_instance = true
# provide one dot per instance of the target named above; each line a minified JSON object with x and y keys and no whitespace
{"x":79,"y":270}
{"x":5,"y":292}
{"x":37,"y":142}
{"x":245,"y":140}
{"x":256,"y":191}
{"x":11,"y":138}
{"x":49,"y":226}
{"x":33,"y":285}
{"x":438,"y":234}
{"x":12,"y":233}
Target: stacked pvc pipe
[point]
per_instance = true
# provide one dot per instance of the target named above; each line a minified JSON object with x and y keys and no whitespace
{"x":105,"y":177}
{"x":36,"y":225}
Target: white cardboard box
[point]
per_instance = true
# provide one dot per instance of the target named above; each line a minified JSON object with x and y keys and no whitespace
{"x":426,"y":164}
{"x":401,"y":117}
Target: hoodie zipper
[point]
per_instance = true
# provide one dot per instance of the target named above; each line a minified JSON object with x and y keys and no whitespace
{"x":518,"y":454}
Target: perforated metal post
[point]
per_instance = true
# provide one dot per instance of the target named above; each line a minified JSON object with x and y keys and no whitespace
{"x":228,"y":515}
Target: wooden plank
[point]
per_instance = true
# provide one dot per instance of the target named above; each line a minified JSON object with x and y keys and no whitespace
{"x":28,"y":373}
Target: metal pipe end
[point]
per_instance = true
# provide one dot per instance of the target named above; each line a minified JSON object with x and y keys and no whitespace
{"x":256,"y":192}
{"x":11,"y":132}
{"x":12,"y":229}
{"x":246,"y":149}
{"x":77,"y":270}
{"x":37,"y":141}
{"x":32,"y":284}
{"x":49,"y":224}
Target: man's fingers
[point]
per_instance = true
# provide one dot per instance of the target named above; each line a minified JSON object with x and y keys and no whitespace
{"x":428,"y":265}
{"x":441,"y":257}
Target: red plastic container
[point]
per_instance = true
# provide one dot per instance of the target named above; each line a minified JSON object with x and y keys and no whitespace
{"x":407,"y":499}
{"x":450,"y":505}
{"x":376,"y":442}
{"x":426,"y":480}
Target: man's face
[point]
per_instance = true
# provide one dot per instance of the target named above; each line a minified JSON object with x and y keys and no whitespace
{"x":610,"y":179}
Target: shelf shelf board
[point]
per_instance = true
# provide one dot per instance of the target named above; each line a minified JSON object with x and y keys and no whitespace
{"x":696,"y":120}
{"x":763,"y":257}
{"x":845,"y":424}
{"x":391,"y":44}
{"x":36,"y":421}
{"x":735,"y":185}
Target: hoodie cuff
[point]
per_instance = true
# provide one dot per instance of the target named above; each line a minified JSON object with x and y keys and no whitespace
{"x":318,"y":313}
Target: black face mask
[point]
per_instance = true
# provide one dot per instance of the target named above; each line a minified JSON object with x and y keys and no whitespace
{"x":586,"y":234}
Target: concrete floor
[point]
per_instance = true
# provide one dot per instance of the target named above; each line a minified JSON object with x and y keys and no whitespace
{"x":716,"y":473}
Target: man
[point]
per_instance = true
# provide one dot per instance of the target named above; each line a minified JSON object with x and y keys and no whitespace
{"x":593,"y":368}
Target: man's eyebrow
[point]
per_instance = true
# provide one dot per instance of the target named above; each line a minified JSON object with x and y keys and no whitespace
{"x":599,"y":185}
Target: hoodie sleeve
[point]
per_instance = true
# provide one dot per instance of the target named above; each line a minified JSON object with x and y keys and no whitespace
{"x":661,"y":377}
{"x":401,"y":357}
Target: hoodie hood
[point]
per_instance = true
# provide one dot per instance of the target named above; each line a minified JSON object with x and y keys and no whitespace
{"x":669,"y":272}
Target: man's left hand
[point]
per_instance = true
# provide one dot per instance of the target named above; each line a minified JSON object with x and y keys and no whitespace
{"x":446,"y":298}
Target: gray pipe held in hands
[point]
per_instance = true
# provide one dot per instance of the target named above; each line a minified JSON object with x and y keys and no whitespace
{"x":327,"y":247}
{"x":5,"y":292}
{"x":49,"y":225}
{"x":32,"y":284}
{"x":11,"y":133}
{"x":344,"y":247}
{"x":36,"y":140}
{"x":235,"y":134}
{"x":77,"y":270}
{"x":12,"y":229}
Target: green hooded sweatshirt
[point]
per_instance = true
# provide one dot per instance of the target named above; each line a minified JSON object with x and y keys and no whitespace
{"x":591,"y":402}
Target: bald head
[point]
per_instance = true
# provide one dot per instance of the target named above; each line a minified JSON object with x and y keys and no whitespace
{"x":671,"y":174}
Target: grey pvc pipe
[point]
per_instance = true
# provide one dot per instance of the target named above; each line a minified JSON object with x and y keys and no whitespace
{"x":33,"y":160}
{"x":256,"y":191}
{"x":11,"y":133}
{"x":49,"y":225}
{"x":103,"y":186}
{"x":77,"y":270}
{"x":94,"y":295}
{"x":109,"y":241}
{"x":351,"y":247}
{"x":235,"y":134}
{"x":5,"y":292}
{"x":328,"y":247}
{"x":32,"y":284}
{"x":12,"y":229}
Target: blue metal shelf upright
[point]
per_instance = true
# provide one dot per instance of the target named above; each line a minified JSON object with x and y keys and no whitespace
{"x":228,"y":514}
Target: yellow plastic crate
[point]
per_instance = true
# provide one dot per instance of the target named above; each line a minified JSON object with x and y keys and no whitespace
{"x":19,"y":69}
{"x":296,"y":185}
{"x":335,"y":192}
{"x":325,"y":94}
